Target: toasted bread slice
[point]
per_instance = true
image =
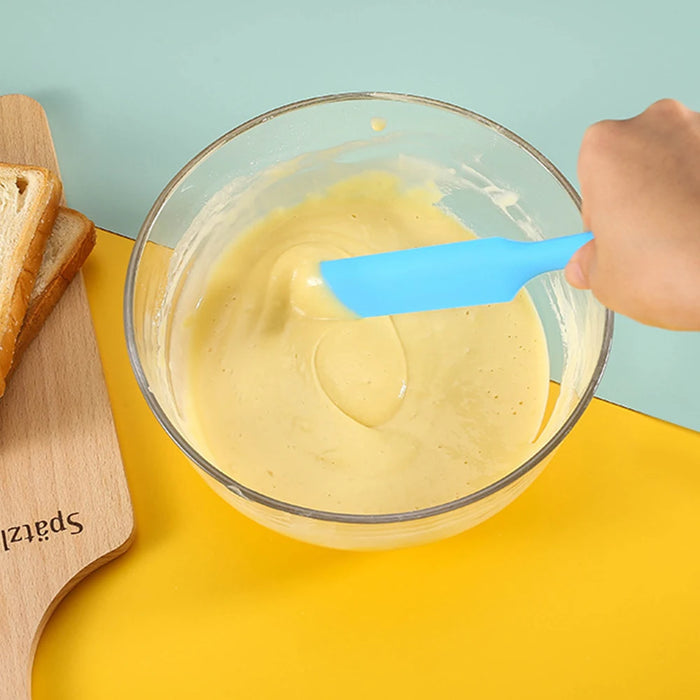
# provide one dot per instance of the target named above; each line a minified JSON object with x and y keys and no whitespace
{"x":29,"y":199}
{"x":71,"y":240}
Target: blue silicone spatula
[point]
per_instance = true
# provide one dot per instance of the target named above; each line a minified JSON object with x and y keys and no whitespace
{"x":452,"y":275}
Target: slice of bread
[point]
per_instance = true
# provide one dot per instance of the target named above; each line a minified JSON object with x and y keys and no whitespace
{"x":71,"y":240}
{"x":29,"y":198}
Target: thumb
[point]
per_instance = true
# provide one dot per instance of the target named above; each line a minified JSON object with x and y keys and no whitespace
{"x":580,"y":267}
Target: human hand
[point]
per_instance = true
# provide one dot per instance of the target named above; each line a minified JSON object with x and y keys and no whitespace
{"x":640,"y":185}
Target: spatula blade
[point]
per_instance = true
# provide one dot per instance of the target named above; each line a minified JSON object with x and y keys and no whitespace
{"x":452,"y":275}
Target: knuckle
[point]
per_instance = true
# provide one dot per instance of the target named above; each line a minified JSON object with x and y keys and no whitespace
{"x":667,"y":107}
{"x":598,"y":143}
{"x":600,"y":134}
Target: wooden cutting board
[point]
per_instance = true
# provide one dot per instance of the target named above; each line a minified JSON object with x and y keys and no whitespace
{"x":64,"y":504}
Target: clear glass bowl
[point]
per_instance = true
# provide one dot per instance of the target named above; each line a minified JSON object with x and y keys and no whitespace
{"x":492,"y":180}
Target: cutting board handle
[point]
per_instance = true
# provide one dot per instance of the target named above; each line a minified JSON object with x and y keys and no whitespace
{"x":64,"y":504}
{"x":15,"y":667}
{"x":18,"y":643}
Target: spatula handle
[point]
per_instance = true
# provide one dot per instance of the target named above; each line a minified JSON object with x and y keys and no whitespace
{"x":552,"y":254}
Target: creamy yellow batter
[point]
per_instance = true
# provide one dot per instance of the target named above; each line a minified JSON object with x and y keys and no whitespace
{"x":309,"y":406}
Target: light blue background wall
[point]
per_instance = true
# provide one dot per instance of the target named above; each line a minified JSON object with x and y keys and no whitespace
{"x":134,"y":89}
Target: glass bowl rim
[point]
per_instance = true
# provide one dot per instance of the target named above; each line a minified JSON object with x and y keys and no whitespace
{"x":249,"y":494}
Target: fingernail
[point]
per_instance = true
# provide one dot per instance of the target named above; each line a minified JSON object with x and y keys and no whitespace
{"x":574,"y":275}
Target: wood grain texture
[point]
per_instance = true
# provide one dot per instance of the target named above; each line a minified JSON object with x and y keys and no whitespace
{"x":64,"y":503}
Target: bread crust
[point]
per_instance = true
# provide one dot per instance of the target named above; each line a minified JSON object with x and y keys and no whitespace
{"x":30,"y":266}
{"x":40,"y":308}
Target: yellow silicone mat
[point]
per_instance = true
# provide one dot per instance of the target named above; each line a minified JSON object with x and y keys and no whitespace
{"x":588,"y":586}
